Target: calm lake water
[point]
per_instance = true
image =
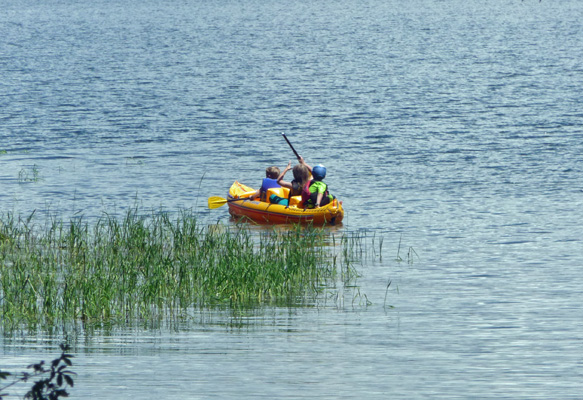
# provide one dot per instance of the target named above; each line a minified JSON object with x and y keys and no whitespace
{"x":450,"y":127}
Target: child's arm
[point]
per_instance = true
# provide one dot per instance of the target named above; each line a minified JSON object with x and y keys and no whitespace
{"x":280,"y":180}
{"x":302,"y":161}
{"x":319,"y":199}
{"x":255,"y":195}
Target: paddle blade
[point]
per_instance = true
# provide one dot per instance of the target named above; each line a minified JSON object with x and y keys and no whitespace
{"x":216,"y":202}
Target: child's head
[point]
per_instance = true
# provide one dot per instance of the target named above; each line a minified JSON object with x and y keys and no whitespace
{"x":301,"y":173}
{"x":272,"y":172}
{"x":319,"y":172}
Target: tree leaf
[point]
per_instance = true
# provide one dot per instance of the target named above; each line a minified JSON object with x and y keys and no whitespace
{"x":69,"y":380}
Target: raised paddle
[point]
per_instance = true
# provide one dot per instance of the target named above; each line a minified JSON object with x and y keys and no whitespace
{"x":217,"y":201}
{"x":290,"y":145}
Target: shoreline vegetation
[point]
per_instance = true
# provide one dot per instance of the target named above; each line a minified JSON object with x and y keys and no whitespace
{"x":146,"y":267}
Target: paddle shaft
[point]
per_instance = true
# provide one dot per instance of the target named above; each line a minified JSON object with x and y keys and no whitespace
{"x":290,"y":145}
{"x":217,"y":201}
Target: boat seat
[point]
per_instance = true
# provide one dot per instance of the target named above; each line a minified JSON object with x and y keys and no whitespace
{"x":295,"y":201}
{"x":284,"y":193}
{"x":280,"y":191}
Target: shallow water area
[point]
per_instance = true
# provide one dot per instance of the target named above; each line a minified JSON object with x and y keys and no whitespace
{"x":450,"y":131}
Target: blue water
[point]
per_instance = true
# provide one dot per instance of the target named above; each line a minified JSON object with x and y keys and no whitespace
{"x":450,"y":128}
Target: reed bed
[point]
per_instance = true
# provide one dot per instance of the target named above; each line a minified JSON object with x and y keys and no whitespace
{"x":143,"y":267}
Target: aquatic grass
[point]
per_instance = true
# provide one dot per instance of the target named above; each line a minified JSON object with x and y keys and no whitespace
{"x":150,"y":266}
{"x":411,"y":253}
{"x":24,"y":175}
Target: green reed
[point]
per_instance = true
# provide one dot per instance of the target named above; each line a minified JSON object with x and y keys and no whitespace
{"x":143,"y":267}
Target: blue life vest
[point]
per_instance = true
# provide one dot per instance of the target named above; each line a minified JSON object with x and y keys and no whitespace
{"x":268,"y":183}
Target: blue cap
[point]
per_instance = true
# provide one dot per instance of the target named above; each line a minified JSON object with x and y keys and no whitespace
{"x":319,"y":172}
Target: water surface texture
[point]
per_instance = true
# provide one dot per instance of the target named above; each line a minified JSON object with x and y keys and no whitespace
{"x":453,"y":127}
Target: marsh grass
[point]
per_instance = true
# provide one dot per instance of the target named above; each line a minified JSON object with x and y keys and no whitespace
{"x":149,"y":267}
{"x":32,"y":175}
{"x":411,"y":253}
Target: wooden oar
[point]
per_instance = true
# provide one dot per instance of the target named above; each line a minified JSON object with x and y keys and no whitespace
{"x":290,"y":145}
{"x":217,"y":201}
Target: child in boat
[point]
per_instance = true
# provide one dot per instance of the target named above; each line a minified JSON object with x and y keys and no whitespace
{"x":315,"y":194}
{"x":301,"y":174}
{"x":269,"y":182}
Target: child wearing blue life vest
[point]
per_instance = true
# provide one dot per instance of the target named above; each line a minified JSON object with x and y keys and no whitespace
{"x":269,"y":182}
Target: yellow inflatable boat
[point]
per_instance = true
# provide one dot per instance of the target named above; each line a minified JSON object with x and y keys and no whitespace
{"x":240,"y":206}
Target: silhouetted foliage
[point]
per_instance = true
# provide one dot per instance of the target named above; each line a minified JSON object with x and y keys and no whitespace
{"x":55,"y":378}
